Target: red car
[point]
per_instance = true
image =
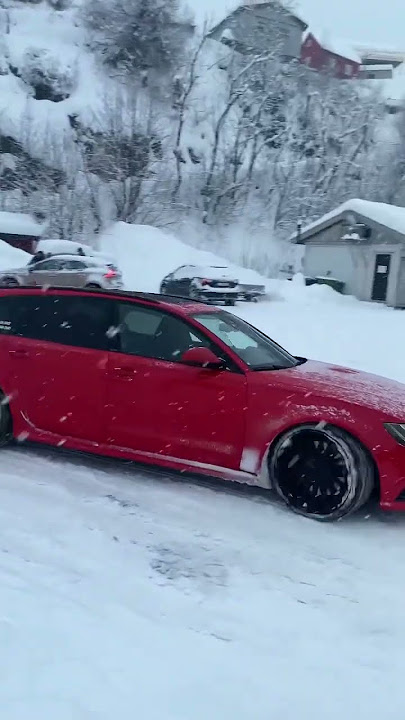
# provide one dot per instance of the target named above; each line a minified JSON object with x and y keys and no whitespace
{"x":190,"y":387}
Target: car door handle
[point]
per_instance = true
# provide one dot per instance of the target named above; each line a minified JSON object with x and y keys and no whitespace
{"x":19,"y":354}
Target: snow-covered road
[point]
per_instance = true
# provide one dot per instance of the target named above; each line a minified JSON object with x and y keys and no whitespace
{"x":126,"y":595}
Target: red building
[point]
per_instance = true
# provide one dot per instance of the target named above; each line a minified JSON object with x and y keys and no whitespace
{"x":334,"y":58}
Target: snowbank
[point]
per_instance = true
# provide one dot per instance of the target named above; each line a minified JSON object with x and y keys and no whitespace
{"x":12,"y":257}
{"x":146,"y":254}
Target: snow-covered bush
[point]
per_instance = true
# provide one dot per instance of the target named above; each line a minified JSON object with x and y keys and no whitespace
{"x":136,"y":34}
{"x":60,"y":4}
{"x":4,"y":65}
{"x":47,"y":77}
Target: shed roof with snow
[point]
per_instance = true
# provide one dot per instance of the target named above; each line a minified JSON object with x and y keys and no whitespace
{"x":20,"y":224}
{"x":353,"y":211}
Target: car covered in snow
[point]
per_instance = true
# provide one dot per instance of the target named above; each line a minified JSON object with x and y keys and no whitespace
{"x":211,"y":283}
{"x":64,"y":271}
{"x":190,"y":387}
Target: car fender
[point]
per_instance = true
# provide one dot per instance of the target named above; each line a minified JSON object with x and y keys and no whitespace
{"x":264,"y":432}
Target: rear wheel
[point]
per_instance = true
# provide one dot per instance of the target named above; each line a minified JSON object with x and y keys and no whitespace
{"x":93,"y":286}
{"x":5,"y":421}
{"x":194,"y":294}
{"x":230,"y":302}
{"x":322,"y":473}
{"x":10,"y":282}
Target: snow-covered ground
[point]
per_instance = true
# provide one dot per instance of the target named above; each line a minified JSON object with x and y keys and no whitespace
{"x":128,"y":595}
{"x":125,"y":593}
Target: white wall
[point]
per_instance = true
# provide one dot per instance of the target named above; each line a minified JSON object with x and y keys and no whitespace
{"x":343,"y":263}
{"x":354,"y":266}
{"x":400,"y":301}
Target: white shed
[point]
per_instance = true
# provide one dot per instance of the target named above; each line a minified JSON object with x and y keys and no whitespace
{"x":362,"y":244}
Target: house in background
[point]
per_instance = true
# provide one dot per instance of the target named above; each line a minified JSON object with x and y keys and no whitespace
{"x":260,"y":27}
{"x":20,"y":231}
{"x":337,"y":58}
{"x":361,"y":244}
{"x":378,"y":64}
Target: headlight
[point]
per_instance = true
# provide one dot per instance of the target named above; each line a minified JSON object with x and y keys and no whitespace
{"x":397,"y":430}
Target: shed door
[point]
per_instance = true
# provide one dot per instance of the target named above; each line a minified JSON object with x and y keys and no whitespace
{"x":381,"y":275}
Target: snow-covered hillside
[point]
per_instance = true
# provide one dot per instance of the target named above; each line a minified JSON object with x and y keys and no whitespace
{"x":219,"y":143}
{"x":60,"y":42}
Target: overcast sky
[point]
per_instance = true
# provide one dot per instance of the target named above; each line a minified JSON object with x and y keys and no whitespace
{"x":375,"y":21}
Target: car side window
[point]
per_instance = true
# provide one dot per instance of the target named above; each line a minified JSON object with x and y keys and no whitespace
{"x":47,"y":265}
{"x":20,"y":315}
{"x":64,"y":319}
{"x":74,"y":265}
{"x":183,"y":273}
{"x":154,"y":334}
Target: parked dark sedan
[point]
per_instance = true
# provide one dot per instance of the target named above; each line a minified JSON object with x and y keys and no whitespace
{"x":210,"y":283}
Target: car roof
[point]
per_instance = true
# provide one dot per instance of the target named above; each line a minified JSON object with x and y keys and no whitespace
{"x":181,"y":305}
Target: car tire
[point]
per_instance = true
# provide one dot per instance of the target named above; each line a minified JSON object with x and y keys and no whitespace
{"x":10,"y":282}
{"x":93,"y":286}
{"x":230,"y":303}
{"x":321,"y":472}
{"x":194,"y":294}
{"x":5,"y":421}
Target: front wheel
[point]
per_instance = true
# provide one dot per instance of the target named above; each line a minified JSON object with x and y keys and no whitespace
{"x":5,"y":421}
{"x":321,"y":472}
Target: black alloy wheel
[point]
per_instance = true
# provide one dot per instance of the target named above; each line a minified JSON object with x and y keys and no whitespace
{"x":5,"y":421}
{"x":321,"y":472}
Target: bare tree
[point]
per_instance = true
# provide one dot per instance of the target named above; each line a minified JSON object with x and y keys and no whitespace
{"x":181,"y":104}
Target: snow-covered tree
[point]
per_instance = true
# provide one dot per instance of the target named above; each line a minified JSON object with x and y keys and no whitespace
{"x":136,"y":34}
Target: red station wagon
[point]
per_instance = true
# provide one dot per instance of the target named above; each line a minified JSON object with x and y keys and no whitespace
{"x":190,"y":387}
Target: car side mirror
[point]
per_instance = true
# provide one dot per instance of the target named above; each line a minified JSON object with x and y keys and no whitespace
{"x":202,"y":357}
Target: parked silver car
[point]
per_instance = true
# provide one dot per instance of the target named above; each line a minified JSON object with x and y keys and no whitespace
{"x":65,"y":271}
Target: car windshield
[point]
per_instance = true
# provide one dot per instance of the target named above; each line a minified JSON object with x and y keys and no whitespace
{"x":254,"y":348}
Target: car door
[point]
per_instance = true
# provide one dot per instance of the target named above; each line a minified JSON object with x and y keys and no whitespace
{"x":44,"y":273}
{"x":181,"y":281}
{"x":160,"y":407}
{"x":59,"y":346}
{"x":73,"y":273}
